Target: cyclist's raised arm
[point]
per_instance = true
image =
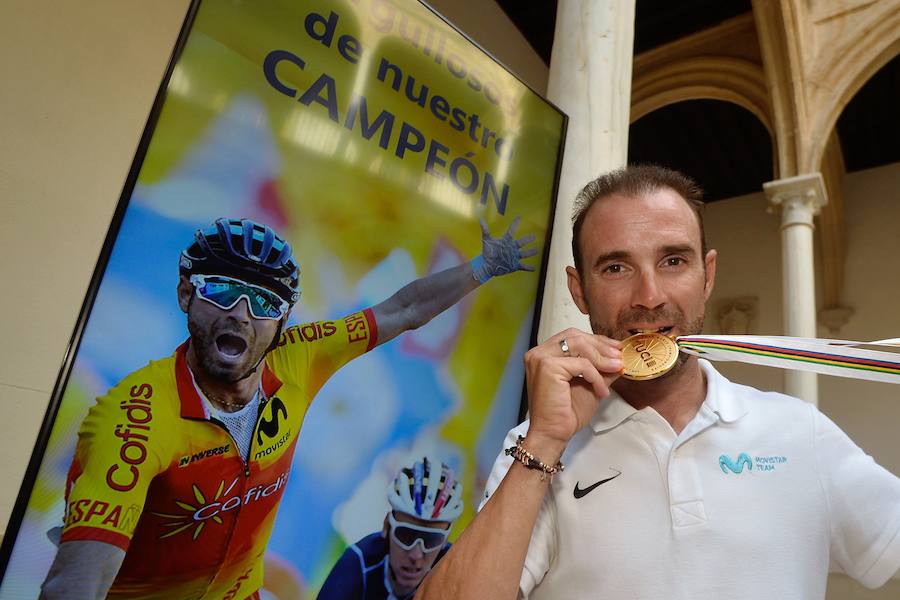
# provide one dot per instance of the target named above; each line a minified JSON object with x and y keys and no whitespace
{"x":82,"y":569}
{"x":417,"y":303}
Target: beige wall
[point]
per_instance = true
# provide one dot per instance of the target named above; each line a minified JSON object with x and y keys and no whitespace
{"x":486,"y":23}
{"x":870,"y":412}
{"x":79,"y":79}
{"x":748,"y":241}
{"x":747,"y":238}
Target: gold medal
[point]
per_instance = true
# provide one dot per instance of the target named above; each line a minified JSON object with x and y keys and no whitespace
{"x":648,"y":355}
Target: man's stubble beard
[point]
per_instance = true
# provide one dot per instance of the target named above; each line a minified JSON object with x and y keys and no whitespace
{"x":621,"y":331}
{"x":626,"y":321}
{"x":205,"y":345}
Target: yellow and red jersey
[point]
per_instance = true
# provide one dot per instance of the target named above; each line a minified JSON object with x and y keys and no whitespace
{"x":155,"y":476}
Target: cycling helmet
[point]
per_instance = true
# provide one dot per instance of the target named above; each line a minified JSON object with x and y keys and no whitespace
{"x":427,"y":490}
{"x":246,"y":250}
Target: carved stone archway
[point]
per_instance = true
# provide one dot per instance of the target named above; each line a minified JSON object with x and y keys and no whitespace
{"x":703,"y":78}
{"x":817,"y":54}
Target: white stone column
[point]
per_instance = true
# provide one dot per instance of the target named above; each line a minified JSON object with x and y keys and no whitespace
{"x":800,"y":199}
{"x":590,"y":80}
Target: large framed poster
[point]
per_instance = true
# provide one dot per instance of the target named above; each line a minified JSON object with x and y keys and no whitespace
{"x":412,"y":179}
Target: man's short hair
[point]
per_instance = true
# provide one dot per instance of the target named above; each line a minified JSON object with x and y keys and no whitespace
{"x":634,"y":180}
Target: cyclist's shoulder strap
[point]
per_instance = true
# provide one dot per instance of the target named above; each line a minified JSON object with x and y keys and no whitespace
{"x":371,"y":550}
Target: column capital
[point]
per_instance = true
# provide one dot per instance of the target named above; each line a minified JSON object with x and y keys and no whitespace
{"x":800,"y":197}
{"x":835,"y":317}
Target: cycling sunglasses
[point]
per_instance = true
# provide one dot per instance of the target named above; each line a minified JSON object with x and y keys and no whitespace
{"x":226,"y":292}
{"x":407,"y":535}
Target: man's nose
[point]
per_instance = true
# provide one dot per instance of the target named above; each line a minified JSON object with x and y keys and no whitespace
{"x":417,"y":552}
{"x":649,"y":292}
{"x":241,"y":310}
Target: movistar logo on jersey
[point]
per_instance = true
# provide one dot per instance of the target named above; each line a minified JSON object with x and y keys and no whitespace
{"x":274,"y":446}
{"x":759,"y":463}
{"x":735,"y":466}
{"x":269,"y":426}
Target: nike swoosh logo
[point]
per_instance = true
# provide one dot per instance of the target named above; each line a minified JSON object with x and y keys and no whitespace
{"x":581,"y":493}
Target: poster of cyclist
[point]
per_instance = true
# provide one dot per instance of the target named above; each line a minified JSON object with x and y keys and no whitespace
{"x":325,"y":267}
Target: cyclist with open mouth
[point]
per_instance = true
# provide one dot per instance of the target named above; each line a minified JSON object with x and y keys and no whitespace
{"x":180,"y":467}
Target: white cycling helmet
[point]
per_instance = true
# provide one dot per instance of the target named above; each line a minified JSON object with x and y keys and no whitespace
{"x":427,"y":490}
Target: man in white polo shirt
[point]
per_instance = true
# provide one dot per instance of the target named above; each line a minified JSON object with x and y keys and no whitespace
{"x":686,"y":486}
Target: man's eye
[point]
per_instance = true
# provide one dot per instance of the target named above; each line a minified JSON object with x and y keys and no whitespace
{"x":613,"y":269}
{"x":674,"y":261}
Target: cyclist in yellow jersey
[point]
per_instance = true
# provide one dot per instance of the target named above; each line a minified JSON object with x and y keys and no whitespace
{"x":180,"y":467}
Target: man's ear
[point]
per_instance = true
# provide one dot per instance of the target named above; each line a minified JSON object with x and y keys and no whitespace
{"x":185,"y":292}
{"x":710,"y":264}
{"x":576,"y":289}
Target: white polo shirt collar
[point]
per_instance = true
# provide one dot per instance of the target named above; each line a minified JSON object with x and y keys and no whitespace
{"x":720,"y":400}
{"x":612,"y":412}
{"x":720,"y":396}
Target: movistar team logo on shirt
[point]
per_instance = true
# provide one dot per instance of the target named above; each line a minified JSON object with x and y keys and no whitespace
{"x":735,"y":466}
{"x":760,"y":463}
{"x":269,"y":426}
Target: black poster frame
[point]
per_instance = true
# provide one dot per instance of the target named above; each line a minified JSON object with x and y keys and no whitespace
{"x":18,"y":512}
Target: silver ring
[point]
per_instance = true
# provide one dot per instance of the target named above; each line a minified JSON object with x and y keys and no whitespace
{"x":564,"y":346}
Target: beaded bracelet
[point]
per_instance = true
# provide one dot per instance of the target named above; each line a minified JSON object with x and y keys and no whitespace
{"x":519,"y":453}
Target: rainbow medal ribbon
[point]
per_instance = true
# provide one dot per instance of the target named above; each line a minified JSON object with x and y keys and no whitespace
{"x":875,"y":361}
